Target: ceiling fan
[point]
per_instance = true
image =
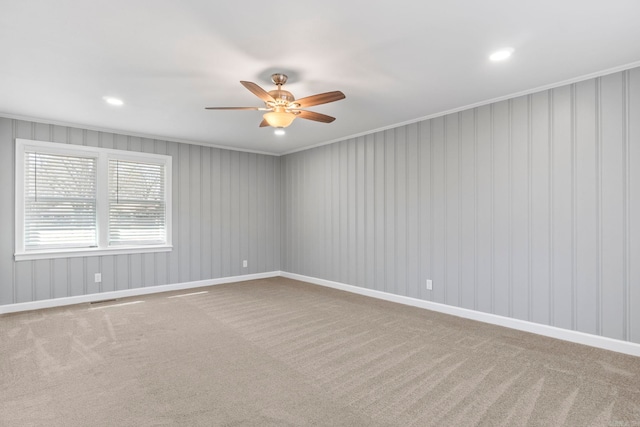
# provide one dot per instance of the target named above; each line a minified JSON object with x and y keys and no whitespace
{"x":282,"y":108}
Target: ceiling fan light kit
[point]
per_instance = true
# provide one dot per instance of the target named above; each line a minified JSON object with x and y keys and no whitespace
{"x":282,"y":107}
{"x":279,"y":118}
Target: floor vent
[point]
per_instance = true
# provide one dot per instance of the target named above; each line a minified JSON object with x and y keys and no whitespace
{"x":102,"y":301}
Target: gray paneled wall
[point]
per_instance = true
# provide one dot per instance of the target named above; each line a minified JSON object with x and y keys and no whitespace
{"x":225,"y":209}
{"x":527,"y":208}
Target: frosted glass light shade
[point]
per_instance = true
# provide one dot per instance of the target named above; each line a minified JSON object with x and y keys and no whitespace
{"x":279,"y":119}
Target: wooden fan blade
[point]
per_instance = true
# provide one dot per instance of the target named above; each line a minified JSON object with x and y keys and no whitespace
{"x":263,"y":123}
{"x":321,"y":98}
{"x":258,"y":91}
{"x":231,"y":108}
{"x":310,"y":115}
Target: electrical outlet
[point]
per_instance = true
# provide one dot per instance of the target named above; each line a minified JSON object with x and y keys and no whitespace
{"x":429,"y":285}
{"x":98,"y":277}
{"x":245,"y":264}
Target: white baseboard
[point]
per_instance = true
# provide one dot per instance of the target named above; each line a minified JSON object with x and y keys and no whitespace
{"x":619,"y":346}
{"x":58,"y":302}
{"x":598,"y":341}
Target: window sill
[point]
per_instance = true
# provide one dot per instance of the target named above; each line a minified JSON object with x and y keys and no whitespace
{"x":85,"y":252}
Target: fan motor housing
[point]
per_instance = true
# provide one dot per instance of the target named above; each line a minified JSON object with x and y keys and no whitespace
{"x":284,"y":96}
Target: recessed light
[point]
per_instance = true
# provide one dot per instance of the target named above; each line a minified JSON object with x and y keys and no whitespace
{"x":113,"y":101}
{"x":501,"y":54}
{"x":279,"y":132}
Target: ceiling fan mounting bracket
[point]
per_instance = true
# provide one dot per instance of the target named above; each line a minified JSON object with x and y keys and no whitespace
{"x":279,"y":79}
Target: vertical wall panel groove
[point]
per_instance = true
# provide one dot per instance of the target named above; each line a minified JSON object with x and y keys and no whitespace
{"x":574,"y":304}
{"x":67,"y":277}
{"x":431,"y":239}
{"x":475,"y":209}
{"x":390,"y":202}
{"x":445,"y":228}
{"x":416,"y":234}
{"x":439,"y":205}
{"x":599,"y":205}
{"x":551,"y":225}
{"x":351,"y":212}
{"x":400,"y":209}
{"x":492,"y":204}
{"x":484,"y":201}
{"x":586,"y":206}
{"x":460,"y":216}
{"x":626,"y":197}
{"x":612,"y":205}
{"x":529,"y":207}
{"x":518,"y":209}
{"x":201,"y":190}
{"x":52,"y":278}
{"x":633,"y":208}
{"x":510,"y":205}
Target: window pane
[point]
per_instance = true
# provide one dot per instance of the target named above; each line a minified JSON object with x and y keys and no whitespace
{"x":60,"y":201}
{"x":136,"y":203}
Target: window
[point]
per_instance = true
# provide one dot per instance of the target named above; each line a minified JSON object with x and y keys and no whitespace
{"x":59,"y":201}
{"x":78,"y":201}
{"x":136,"y":203}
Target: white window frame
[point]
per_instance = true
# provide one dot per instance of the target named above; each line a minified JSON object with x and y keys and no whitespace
{"x":103,"y":155}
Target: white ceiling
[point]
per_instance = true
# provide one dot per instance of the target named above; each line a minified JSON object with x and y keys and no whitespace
{"x":396,"y":61}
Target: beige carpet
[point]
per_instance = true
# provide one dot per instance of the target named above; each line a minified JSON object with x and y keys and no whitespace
{"x":278,"y":352}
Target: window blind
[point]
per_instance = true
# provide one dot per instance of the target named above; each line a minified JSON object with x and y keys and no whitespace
{"x":60,"y":201}
{"x":136,"y":203}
